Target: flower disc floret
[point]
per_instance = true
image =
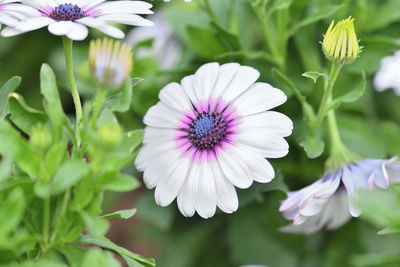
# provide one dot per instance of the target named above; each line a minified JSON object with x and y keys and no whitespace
{"x":67,"y":12}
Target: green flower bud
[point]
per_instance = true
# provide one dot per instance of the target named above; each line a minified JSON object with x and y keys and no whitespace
{"x":40,"y":139}
{"x":110,"y":136}
{"x":340,"y":42}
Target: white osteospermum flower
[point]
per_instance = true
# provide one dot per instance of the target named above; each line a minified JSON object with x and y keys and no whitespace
{"x":388,"y":76}
{"x":165,"y":47}
{"x":209,"y":134}
{"x":11,"y":12}
{"x":328,"y":202}
{"x":71,"y":18}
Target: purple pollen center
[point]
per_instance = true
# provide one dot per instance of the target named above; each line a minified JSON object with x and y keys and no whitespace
{"x":207,"y":130}
{"x":67,"y":12}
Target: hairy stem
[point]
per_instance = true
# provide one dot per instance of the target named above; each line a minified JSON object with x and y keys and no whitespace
{"x":97,"y":106}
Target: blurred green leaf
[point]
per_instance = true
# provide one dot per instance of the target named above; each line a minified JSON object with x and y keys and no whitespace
{"x":278,"y":5}
{"x":148,"y":210}
{"x":325,"y":11}
{"x":96,"y":227}
{"x":120,"y":101}
{"x":107,"y":244}
{"x":122,"y":214}
{"x":313,"y":146}
{"x":314,"y":75}
{"x":9,"y":87}
{"x":11,"y":211}
{"x":122,"y":183}
{"x":389,"y":230}
{"x":204,"y":41}
{"x":13,"y":145}
{"x":351,"y":96}
{"x":23,"y":116}
{"x":383,"y":16}
{"x":98,"y":258}
{"x":74,"y":255}
{"x":133,"y":139}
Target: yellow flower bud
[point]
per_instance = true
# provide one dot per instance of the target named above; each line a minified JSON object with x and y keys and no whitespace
{"x":340,"y":42}
{"x":110,"y":136}
{"x":40,"y":138}
{"x":110,"y":62}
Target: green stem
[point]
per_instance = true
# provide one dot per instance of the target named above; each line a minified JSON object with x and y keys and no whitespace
{"x":62,"y":213}
{"x":99,"y":101}
{"x":46,"y":222}
{"x":74,"y":90}
{"x":210,"y":10}
{"x":326,"y":97}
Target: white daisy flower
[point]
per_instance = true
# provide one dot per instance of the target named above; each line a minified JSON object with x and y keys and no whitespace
{"x":388,"y":76}
{"x":72,"y":17}
{"x":166,"y":48}
{"x":328,"y":202}
{"x":209,"y":134}
{"x":11,"y":12}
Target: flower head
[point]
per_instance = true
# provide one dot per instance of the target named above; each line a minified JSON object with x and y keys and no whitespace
{"x":388,"y":74}
{"x":340,"y":42}
{"x":71,"y":18}
{"x":110,"y":62}
{"x":329,"y":201}
{"x":209,"y":134}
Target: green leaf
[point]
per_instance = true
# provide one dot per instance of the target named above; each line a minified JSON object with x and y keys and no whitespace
{"x":321,"y":13}
{"x":204,"y":41}
{"x":314,"y":75}
{"x":98,"y":258}
{"x":40,"y":263}
{"x":122,"y":214}
{"x":229,"y":39}
{"x":383,"y":16}
{"x":390,"y":230}
{"x":97,"y":227}
{"x":52,"y":103}
{"x":122,"y":183}
{"x":107,"y":244}
{"x":278,"y":5}
{"x":55,"y":156}
{"x":13,"y":145}
{"x":24,"y":116}
{"x":313,"y":146}
{"x":120,"y":101}
{"x":74,"y":255}
{"x":247,"y":54}
{"x":6,"y":165}
{"x":9,"y":87}
{"x":351,"y":96}
{"x":67,"y":175}
{"x":11,"y":211}
{"x":132,"y":140}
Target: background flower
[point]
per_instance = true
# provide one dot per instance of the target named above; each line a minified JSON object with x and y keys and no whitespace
{"x":71,"y":18}
{"x":329,"y":201}
{"x":387,"y":77}
{"x":209,"y":134}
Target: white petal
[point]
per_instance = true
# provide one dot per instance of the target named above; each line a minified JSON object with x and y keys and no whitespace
{"x":204,"y":80}
{"x":61,"y":27}
{"x":136,"y":7}
{"x":205,"y":196}
{"x":185,"y":196}
{"x":258,"y":98}
{"x":268,"y":121}
{"x":244,"y":77}
{"x":162,"y":116}
{"x":173,"y":96}
{"x":227,"y":199}
{"x":78,"y":32}
{"x":234,"y":170}
{"x":33,"y":24}
{"x":128,"y":19}
{"x":225,"y":75}
{"x":269,"y":145}
{"x":171,"y":183}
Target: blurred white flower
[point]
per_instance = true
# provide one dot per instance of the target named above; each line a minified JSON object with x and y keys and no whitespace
{"x":12,"y":12}
{"x":328,"y":202}
{"x":110,"y":62}
{"x":209,"y":134}
{"x":388,"y":75}
{"x":166,"y":48}
{"x":72,"y":17}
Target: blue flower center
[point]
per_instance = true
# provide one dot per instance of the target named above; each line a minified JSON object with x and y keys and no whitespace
{"x":67,"y":12}
{"x":207,"y":130}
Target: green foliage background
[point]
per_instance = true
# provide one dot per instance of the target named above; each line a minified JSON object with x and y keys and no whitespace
{"x":230,"y":30}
